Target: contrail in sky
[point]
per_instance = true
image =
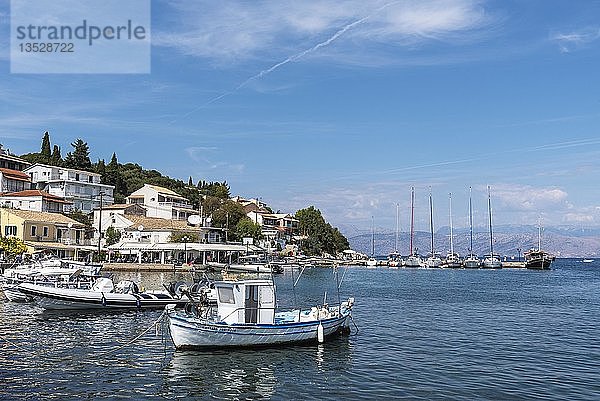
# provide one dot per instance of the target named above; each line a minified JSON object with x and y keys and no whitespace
{"x":290,"y":59}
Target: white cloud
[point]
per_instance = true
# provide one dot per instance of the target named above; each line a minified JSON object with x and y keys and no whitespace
{"x":529,"y":198}
{"x":568,"y":42}
{"x":233,"y":31}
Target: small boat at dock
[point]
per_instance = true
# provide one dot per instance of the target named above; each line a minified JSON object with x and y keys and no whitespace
{"x":246,"y":315}
{"x":102,"y":295}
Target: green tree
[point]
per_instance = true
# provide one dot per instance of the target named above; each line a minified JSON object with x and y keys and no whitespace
{"x":80,"y":157}
{"x":45,"y":151}
{"x":227,"y":216}
{"x":100,"y":168}
{"x":112,"y":236}
{"x":322,"y":237}
{"x":56,"y":158}
{"x":247,"y":228}
{"x":184,"y":237}
{"x":12,"y":246}
{"x":191,"y":182}
{"x":79,"y":217}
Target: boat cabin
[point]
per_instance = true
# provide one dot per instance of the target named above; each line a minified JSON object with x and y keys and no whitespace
{"x":246,"y":301}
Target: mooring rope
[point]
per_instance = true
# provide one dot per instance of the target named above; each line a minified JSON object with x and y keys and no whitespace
{"x":120,"y":347}
{"x":103,"y":353}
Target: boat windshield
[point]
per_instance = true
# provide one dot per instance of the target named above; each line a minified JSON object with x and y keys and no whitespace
{"x":226,"y":295}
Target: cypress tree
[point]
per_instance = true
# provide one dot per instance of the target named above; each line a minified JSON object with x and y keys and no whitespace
{"x":45,"y":152}
{"x":56,"y":158}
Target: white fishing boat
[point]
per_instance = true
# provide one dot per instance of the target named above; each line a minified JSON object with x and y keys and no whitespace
{"x":102,"y":295}
{"x":253,"y":264}
{"x":371,"y":263}
{"x":491,"y":260}
{"x":587,"y":260}
{"x":246,"y":316}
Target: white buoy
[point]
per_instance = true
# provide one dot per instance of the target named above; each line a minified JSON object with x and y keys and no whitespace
{"x":320,"y":334}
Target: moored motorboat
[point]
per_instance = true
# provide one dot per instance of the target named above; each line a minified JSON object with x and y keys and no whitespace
{"x":102,"y":295}
{"x":246,"y":316}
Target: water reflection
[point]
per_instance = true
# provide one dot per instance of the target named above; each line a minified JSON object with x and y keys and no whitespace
{"x":254,"y":373}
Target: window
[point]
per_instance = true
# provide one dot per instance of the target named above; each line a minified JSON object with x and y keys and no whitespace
{"x":33,"y":231}
{"x":90,"y":179}
{"x":10,"y":230}
{"x":226,"y":295}
{"x":76,"y":177}
{"x":45,"y":231}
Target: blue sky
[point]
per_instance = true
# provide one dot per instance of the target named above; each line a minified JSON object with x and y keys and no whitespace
{"x":346,"y":105}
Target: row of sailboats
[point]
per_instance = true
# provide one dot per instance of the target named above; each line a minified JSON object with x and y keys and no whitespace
{"x":452,"y":259}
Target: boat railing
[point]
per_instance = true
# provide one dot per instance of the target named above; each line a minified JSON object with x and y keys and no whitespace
{"x":329,"y":308}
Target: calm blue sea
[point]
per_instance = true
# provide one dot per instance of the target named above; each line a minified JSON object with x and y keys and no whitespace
{"x":423,"y":335}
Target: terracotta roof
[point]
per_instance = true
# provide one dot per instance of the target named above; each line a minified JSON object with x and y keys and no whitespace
{"x":15,"y":174}
{"x":118,"y":206}
{"x":43,"y":217}
{"x":37,"y":192}
{"x":155,"y":223}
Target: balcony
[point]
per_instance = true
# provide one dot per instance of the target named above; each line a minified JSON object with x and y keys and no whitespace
{"x":180,"y":205}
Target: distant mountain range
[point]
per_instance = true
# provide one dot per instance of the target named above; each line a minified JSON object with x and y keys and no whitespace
{"x":562,"y":241}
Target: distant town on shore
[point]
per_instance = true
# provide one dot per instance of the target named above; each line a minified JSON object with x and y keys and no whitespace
{"x":75,"y":208}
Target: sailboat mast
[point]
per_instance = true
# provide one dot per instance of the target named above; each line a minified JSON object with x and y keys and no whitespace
{"x":471,"y":220}
{"x":490,"y":214}
{"x":397,"y":227}
{"x":372,"y":236}
{"x":412,"y":217}
{"x":540,"y":236}
{"x":451,"y":232}
{"x":431,"y":223}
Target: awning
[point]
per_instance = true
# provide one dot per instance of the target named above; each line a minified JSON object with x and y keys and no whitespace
{"x":180,"y":246}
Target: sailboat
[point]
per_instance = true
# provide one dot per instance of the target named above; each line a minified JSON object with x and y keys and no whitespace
{"x":537,"y":258}
{"x":372,"y":262}
{"x":413,"y":260}
{"x":472,"y":261}
{"x":433,"y":260}
{"x":394,"y":259}
{"x":452,"y":260}
{"x":492,"y":260}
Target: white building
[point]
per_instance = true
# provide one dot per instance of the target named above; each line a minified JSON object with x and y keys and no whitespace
{"x":279,"y":227}
{"x":162,"y":203}
{"x":34,"y":200}
{"x":82,"y":188}
{"x":13,"y":180}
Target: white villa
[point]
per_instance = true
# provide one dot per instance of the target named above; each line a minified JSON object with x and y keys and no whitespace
{"x":82,"y":188}
{"x":275,"y":226}
{"x":34,"y":200}
{"x":162,"y":203}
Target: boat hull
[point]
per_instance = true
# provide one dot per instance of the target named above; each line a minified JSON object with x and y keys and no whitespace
{"x":539,"y":264}
{"x":189,"y":333}
{"x":53,"y":298}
